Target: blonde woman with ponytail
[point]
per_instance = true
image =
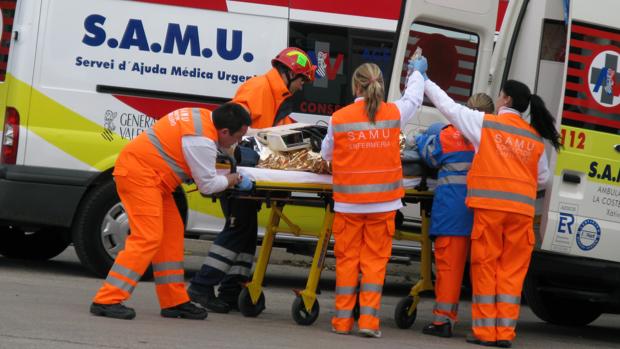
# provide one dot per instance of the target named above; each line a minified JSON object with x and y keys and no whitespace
{"x":363,"y":144}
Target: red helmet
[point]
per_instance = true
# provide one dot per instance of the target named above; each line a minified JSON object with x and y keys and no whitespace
{"x":297,"y":61}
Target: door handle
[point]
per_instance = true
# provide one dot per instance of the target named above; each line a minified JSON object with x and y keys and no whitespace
{"x":571,"y":178}
{"x":617,"y":147}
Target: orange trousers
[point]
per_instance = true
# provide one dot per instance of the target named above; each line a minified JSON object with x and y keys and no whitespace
{"x":156,"y":235}
{"x":450,"y":257}
{"x":501,"y":249}
{"x":363,"y":244}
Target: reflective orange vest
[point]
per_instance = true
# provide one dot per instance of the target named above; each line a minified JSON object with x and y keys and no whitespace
{"x":160,"y":146}
{"x":366,"y":166}
{"x":504,"y":173}
{"x":264,"y":97}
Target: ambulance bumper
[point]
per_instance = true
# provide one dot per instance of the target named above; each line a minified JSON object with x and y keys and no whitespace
{"x":588,"y":279}
{"x":40,"y":196}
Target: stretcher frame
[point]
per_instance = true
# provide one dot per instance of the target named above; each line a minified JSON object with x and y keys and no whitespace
{"x":305,"y":308}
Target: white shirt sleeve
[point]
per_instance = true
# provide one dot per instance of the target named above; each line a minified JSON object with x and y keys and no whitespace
{"x":466,"y":120}
{"x":327,"y":146}
{"x":200,"y":154}
{"x":412,"y":99}
{"x":543,"y":170}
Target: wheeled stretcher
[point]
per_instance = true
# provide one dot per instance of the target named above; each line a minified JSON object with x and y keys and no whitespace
{"x":278,"y":188}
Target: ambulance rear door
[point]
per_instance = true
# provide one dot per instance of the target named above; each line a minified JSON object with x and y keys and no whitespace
{"x":457,"y":39}
{"x":583,"y":216}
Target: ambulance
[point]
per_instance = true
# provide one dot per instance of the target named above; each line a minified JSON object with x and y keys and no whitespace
{"x":81,"y":78}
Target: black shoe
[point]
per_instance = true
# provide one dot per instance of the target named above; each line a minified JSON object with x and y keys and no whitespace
{"x":474,"y":340}
{"x":232,"y":300}
{"x":116,"y":311}
{"x":441,"y":330}
{"x":185,"y":310}
{"x":208,"y":300}
{"x":503,"y":343}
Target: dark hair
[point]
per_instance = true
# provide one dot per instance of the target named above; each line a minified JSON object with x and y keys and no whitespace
{"x":232,"y":116}
{"x":541,"y":119}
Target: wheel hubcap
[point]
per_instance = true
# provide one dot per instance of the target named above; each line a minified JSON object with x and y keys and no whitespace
{"x":114,"y":230}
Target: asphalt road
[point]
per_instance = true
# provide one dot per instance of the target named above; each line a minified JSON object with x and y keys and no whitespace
{"x":45,"y":305}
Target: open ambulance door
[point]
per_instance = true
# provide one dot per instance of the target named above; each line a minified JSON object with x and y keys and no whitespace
{"x":583,"y":216}
{"x":457,"y":39}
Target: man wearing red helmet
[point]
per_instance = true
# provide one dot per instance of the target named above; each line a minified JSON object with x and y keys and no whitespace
{"x":268,"y":98}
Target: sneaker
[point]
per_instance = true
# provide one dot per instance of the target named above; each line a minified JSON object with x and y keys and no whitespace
{"x":208,"y":300}
{"x":341,"y":331}
{"x":185,"y":310}
{"x":369,"y":333}
{"x":474,"y":340}
{"x":116,"y":311}
{"x":440,"y":330}
{"x":504,"y":343}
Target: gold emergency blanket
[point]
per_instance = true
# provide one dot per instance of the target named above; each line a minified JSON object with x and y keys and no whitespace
{"x":301,"y":160}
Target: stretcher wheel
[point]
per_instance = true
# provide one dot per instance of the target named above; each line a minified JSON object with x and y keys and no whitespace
{"x":247,"y":308}
{"x":301,"y":315}
{"x":401,"y":313}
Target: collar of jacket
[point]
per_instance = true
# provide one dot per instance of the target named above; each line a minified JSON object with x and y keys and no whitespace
{"x":278,"y":88}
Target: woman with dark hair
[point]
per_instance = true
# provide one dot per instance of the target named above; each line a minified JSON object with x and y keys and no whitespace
{"x":509,"y":163}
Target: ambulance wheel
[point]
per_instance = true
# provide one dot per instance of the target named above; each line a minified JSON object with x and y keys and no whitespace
{"x":41,"y":244}
{"x":247,"y":308}
{"x":100,"y":229}
{"x":558,"y":310}
{"x":401,"y":313}
{"x":301,"y":315}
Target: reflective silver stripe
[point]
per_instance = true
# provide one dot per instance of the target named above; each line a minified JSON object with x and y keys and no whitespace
{"x":197,"y":121}
{"x":506,"y":298}
{"x":368,"y":311}
{"x":217,"y":264}
{"x":128,"y":273}
{"x":165,"y":266}
{"x":506,"y":323}
{"x":116,"y":282}
{"x":364,"y":126}
{"x":371,"y":288}
{"x":344,"y":314}
{"x":495,"y":194}
{"x":510,"y":129}
{"x":457,"y":166}
{"x":367,"y":188}
{"x":239,"y":270}
{"x":224,"y":252}
{"x":442,"y":319}
{"x":169,"y":279}
{"x":160,"y":149}
{"x":245,"y":257}
{"x":447,"y":307}
{"x":488,"y":322}
{"x":456,"y":179}
{"x":345,"y":290}
{"x":483,"y":299}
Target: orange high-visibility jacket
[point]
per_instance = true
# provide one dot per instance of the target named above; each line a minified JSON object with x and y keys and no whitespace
{"x":263,"y":96}
{"x":366,"y":166}
{"x":160,"y":146}
{"x":504,"y":172}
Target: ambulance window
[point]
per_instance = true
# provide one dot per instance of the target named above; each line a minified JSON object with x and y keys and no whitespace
{"x":337,"y":51}
{"x":451,"y":57}
{"x":8,"y":13}
{"x":592,"y":91}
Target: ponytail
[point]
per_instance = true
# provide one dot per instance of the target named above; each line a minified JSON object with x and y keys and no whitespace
{"x":368,"y":80}
{"x":543,"y":121}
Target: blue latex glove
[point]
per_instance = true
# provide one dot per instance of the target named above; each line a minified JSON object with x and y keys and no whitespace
{"x":245,"y":184}
{"x":420,"y":65}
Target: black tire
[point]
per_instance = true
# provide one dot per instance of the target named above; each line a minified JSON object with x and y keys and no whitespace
{"x":558,"y":310}
{"x":87,"y":229}
{"x":41,"y":244}
{"x":247,"y":308}
{"x":301,"y":315}
{"x":401,"y":313}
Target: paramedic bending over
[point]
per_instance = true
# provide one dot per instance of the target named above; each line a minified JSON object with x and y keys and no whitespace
{"x":501,"y":184}
{"x":363,"y":143}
